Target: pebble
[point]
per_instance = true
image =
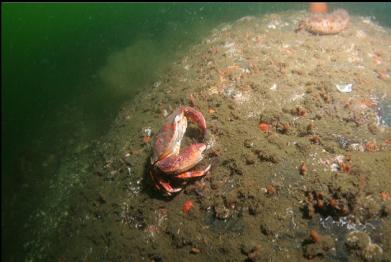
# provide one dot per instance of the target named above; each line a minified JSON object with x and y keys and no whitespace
{"x":195,"y":250}
{"x":344,"y":88}
{"x":250,"y":159}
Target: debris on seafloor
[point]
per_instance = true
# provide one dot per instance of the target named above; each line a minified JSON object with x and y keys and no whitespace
{"x":252,"y":251}
{"x":318,"y":245}
{"x":148,"y":131}
{"x":195,"y":250}
{"x":344,"y":88}
{"x":384,"y":113}
{"x":238,"y":96}
{"x":360,"y":244}
{"x":356,"y":147}
{"x":271,"y":189}
{"x":165,"y":113}
{"x":274,"y":87}
{"x":147,"y":135}
{"x":340,"y":164}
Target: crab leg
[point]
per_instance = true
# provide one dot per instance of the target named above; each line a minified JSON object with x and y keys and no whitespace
{"x":160,"y":184}
{"x":188,"y":158}
{"x":193,"y":174}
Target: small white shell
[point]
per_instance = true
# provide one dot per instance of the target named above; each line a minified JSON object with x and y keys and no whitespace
{"x":344,"y":88}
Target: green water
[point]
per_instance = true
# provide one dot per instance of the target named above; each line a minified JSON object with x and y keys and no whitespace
{"x":53,"y":96}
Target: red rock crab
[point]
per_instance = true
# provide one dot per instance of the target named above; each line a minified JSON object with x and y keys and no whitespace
{"x":170,"y":166}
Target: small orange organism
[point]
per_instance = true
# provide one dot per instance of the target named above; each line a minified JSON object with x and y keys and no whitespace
{"x":264,"y":127}
{"x":315,"y":140}
{"x":371,"y":146}
{"x":270,"y":189}
{"x":187,"y":206}
{"x":147,"y":139}
{"x":303,"y":169}
{"x":345,"y":167}
{"x":300,"y":111}
{"x":315,"y":237}
{"x":211,"y":110}
{"x":366,"y":102}
{"x":384,"y":196}
{"x":318,"y":7}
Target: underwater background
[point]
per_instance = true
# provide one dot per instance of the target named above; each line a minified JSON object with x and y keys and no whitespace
{"x":60,"y":89}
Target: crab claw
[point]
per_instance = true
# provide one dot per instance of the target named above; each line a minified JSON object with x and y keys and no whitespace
{"x":194,"y":116}
{"x":193,"y":174}
{"x":188,"y":158}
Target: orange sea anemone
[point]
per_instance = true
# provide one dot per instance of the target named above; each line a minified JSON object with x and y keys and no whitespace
{"x":318,"y":8}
